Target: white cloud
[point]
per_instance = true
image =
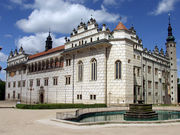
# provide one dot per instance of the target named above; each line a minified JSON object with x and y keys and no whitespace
{"x":164,"y":6}
{"x":109,"y":2}
{"x":61,"y":16}
{"x":113,"y":2}
{"x":17,"y":1}
{"x":3,"y":57}
{"x":22,"y":3}
{"x":36,"y":43}
{"x":8,"y":35}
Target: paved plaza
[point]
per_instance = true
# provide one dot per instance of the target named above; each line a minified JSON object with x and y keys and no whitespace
{"x":37,"y":122}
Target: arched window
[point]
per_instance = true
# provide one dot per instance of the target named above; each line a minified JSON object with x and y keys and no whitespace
{"x":43,"y":65}
{"x":93,"y":69}
{"x":29,"y":68}
{"x":39,"y":66}
{"x":56,"y":62}
{"x":80,"y":71}
{"x":51,"y":63}
{"x":32,"y":67}
{"x":61,"y":62}
{"x":36,"y":67}
{"x":47,"y":64}
{"x":118,"y":69}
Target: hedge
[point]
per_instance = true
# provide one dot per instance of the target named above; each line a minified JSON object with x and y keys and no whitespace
{"x":59,"y":106}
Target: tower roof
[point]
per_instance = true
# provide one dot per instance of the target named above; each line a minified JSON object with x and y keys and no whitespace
{"x":170,"y":34}
{"x":120,"y":26}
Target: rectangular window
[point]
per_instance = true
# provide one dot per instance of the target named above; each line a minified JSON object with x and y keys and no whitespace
{"x":18,"y":96}
{"x":156,"y":85}
{"x":80,"y":71}
{"x":68,"y":62}
{"x":68,"y":80}
{"x":24,"y":71}
{"x":8,"y":96}
{"x":38,"y":82}
{"x":55,"y":81}
{"x":19,"y":71}
{"x":149,"y":69}
{"x":19,"y":83}
{"x":118,"y":69}
{"x":138,"y":72}
{"x":24,"y":83}
{"x":91,"y":40}
{"x":92,"y":97}
{"x":163,"y":73}
{"x":79,"y":96}
{"x":14,"y":94}
{"x":9,"y":84}
{"x":149,"y":84}
{"x":31,"y":83}
{"x":14,"y":84}
{"x":46,"y":82}
{"x":156,"y":71}
{"x":144,"y":68}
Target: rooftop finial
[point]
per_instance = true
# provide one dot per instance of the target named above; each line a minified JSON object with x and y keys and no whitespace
{"x":120,"y":18}
{"x":49,"y":30}
{"x":169,"y":18}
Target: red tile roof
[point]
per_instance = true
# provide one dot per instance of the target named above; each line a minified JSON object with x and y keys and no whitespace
{"x":46,"y":52}
{"x":120,"y":26}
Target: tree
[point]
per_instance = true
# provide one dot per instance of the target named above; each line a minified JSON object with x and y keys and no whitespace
{"x":2,"y":90}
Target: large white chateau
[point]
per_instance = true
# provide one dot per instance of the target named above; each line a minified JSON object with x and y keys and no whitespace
{"x":95,"y":65}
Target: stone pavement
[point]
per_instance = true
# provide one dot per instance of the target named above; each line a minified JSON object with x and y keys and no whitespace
{"x":38,"y":122}
{"x":7,"y":104}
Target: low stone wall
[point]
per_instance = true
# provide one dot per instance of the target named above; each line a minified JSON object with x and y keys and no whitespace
{"x":65,"y":115}
{"x":168,"y":108}
{"x":79,"y":112}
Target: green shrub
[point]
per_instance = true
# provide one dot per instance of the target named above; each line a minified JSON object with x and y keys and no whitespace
{"x":58,"y":106}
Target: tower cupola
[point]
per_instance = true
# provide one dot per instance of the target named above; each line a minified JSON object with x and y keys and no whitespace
{"x":48,"y":42}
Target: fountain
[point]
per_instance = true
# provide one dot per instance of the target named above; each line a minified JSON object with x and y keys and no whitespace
{"x":140,"y":111}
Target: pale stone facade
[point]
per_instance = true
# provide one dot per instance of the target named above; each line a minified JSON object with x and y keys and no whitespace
{"x":94,"y":66}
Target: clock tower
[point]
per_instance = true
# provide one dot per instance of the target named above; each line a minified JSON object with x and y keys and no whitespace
{"x":171,"y":51}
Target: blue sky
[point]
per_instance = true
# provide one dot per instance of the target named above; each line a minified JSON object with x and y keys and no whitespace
{"x":26,"y":22}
